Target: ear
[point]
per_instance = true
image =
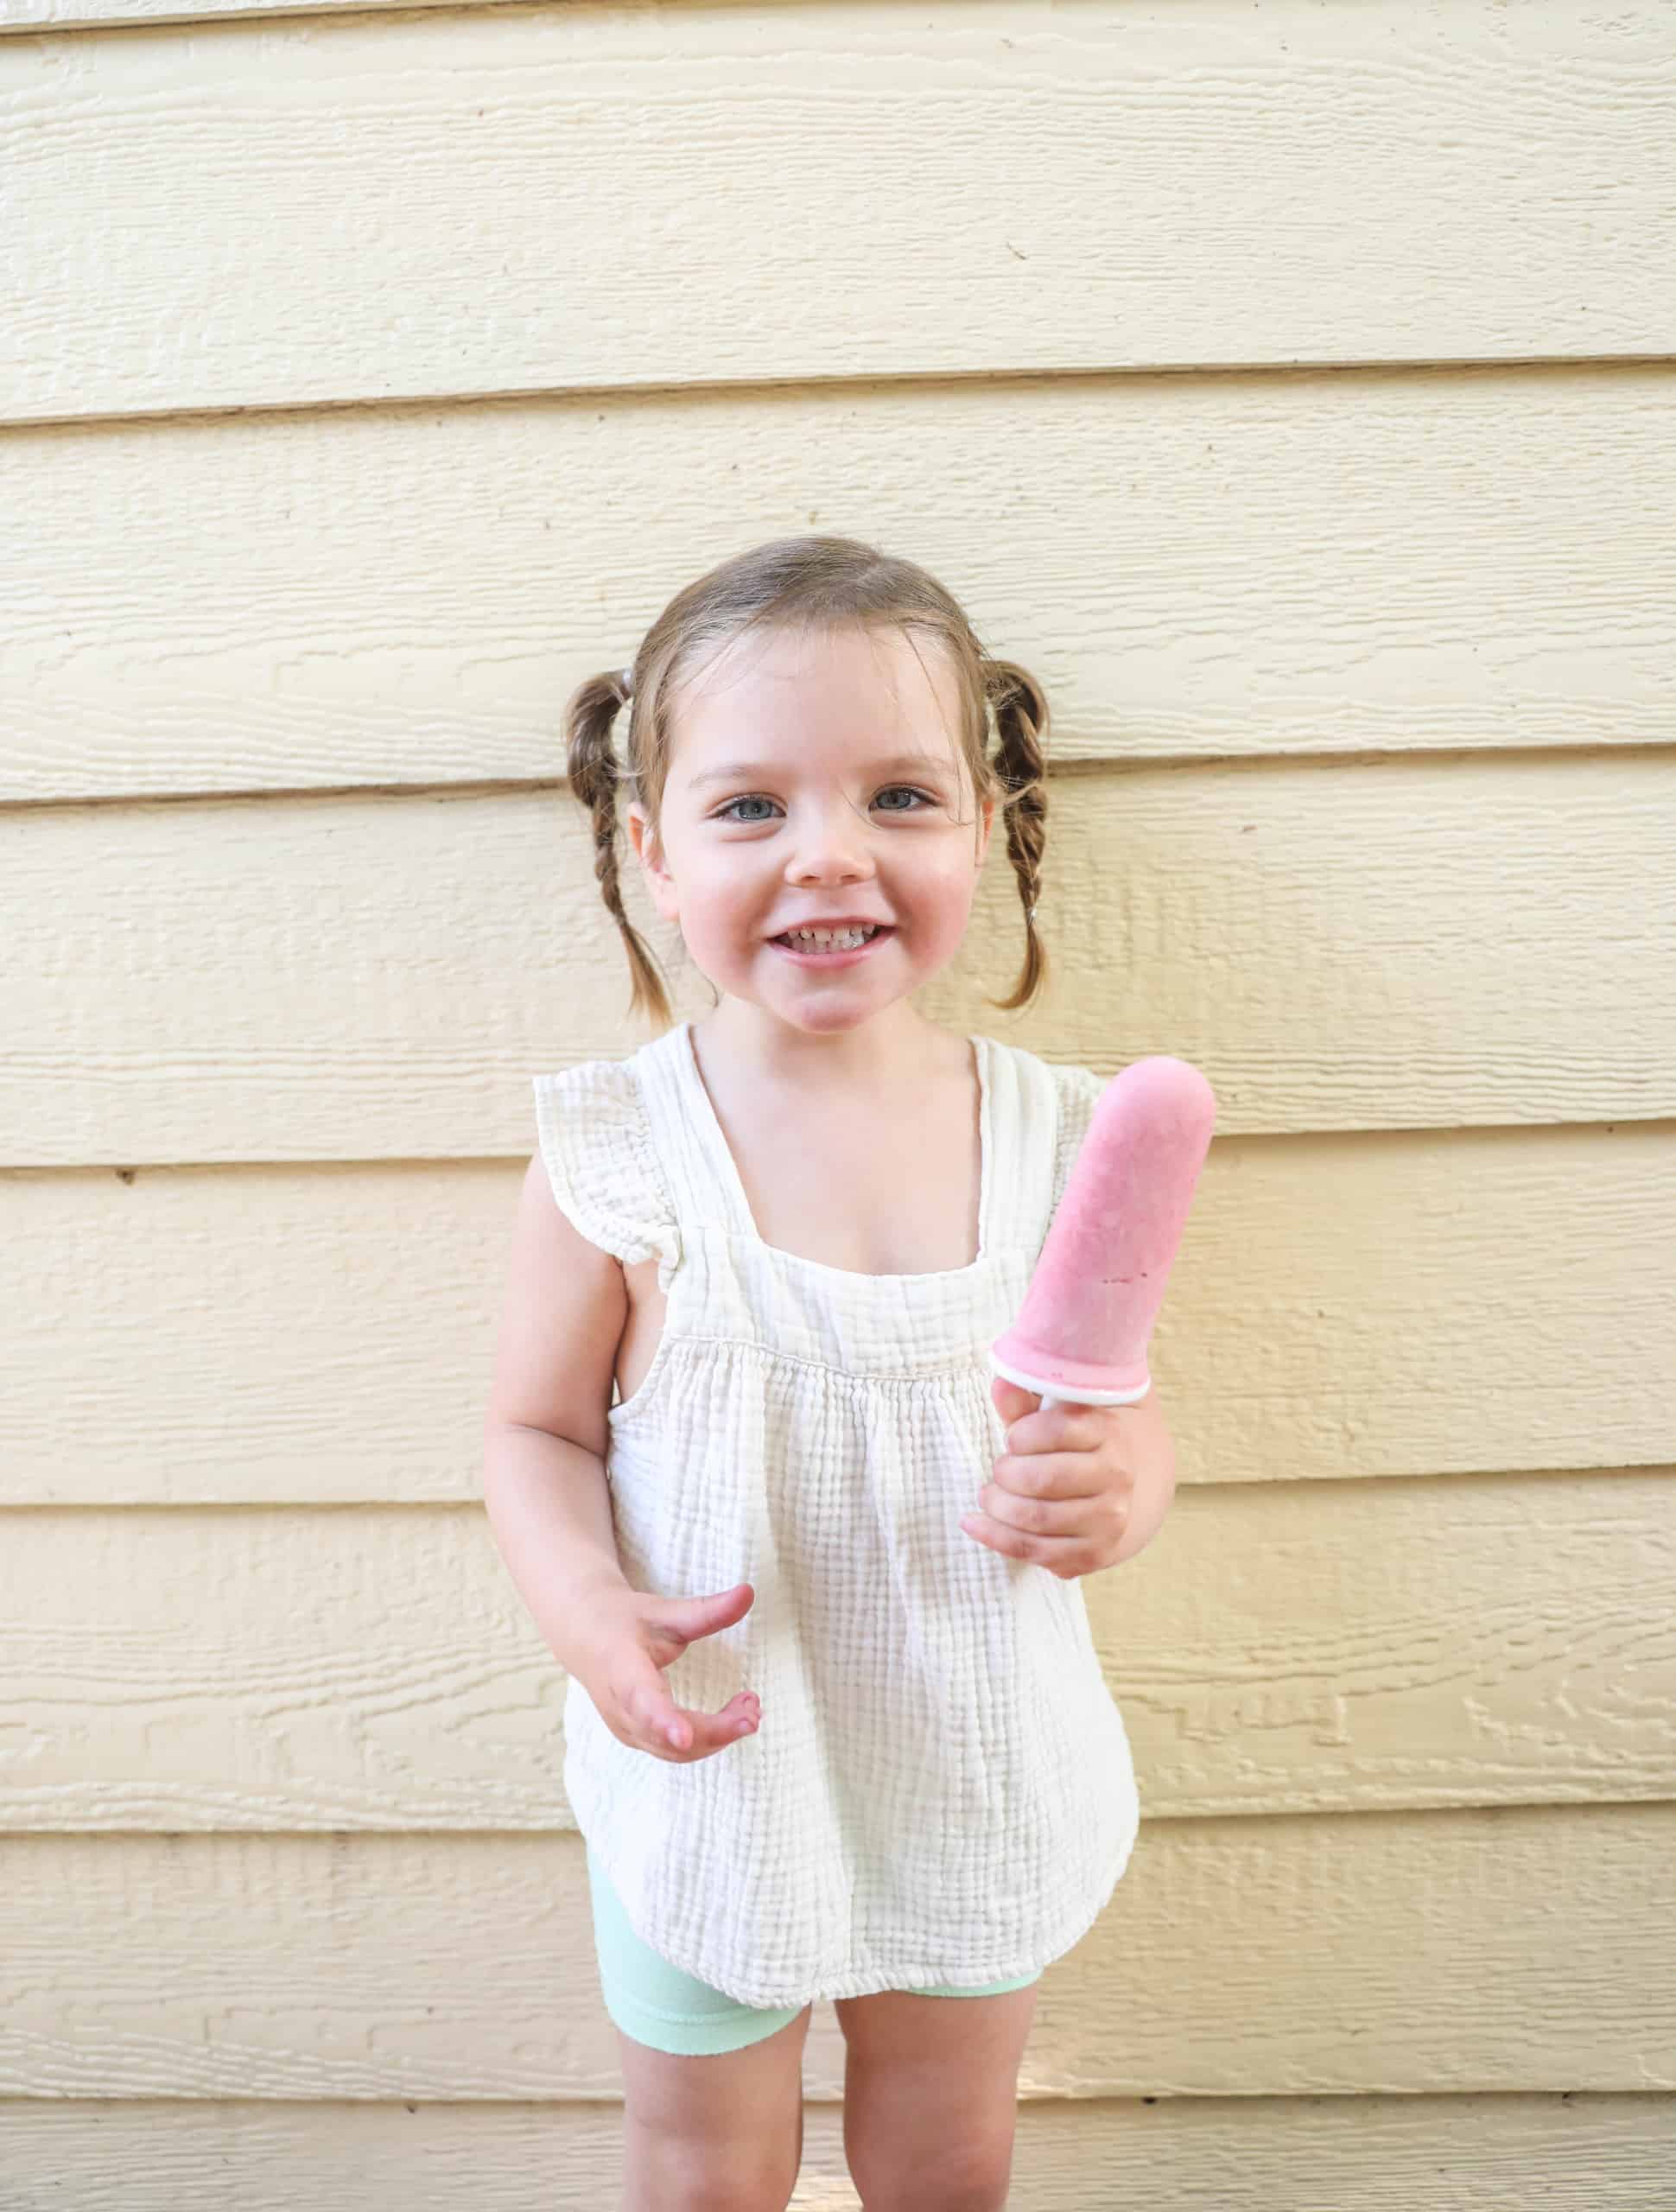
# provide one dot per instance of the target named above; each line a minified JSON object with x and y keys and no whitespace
{"x":644,"y":838}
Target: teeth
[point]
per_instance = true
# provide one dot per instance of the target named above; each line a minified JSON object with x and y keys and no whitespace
{"x":829,"y":940}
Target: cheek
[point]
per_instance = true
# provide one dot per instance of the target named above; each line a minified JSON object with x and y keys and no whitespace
{"x":722,"y":910}
{"x":945,"y":886}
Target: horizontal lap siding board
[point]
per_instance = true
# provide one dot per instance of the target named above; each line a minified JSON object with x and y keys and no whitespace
{"x":1462,"y":2153}
{"x":1411,"y":1304}
{"x":1496,"y":1641}
{"x":282,"y":1787}
{"x":1343,"y":945}
{"x":151,"y":15}
{"x":379,"y":207}
{"x":1334,"y":1954}
{"x":1424,"y":562}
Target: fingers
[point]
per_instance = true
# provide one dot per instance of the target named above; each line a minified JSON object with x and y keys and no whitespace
{"x":700,"y":1733}
{"x":1058,"y":1429}
{"x":647,"y":1714}
{"x":636,"y":1704}
{"x":1010,"y":1402}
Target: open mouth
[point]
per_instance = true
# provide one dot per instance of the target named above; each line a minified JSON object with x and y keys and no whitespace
{"x":828,"y":951}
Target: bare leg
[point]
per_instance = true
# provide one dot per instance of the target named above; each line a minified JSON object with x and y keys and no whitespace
{"x":721,"y":2132}
{"x":930,"y":2097}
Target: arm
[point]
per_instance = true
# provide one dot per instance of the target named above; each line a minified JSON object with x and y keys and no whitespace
{"x":545,"y":1435}
{"x":544,"y":1431}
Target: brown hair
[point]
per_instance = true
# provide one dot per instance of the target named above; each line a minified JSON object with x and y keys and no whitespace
{"x":806,"y":582}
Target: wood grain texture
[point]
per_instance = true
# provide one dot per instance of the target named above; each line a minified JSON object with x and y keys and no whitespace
{"x":1340,"y":945}
{"x":1571,"y":2152}
{"x":1278,"y":1648}
{"x":1506,"y":1949}
{"x":1411,"y":1305}
{"x":1235,"y":566}
{"x":417,"y":205}
{"x":155,"y":14}
{"x":345,"y":359}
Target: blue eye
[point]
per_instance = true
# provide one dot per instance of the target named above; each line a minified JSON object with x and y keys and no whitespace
{"x":756,"y":799}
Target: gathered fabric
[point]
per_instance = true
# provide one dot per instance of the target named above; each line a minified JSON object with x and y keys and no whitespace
{"x":940,"y":1792}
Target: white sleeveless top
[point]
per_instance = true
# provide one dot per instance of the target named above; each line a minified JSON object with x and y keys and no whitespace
{"x":940,"y":1791}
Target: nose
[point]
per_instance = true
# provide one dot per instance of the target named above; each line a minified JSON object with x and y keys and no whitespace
{"x":831,"y":846}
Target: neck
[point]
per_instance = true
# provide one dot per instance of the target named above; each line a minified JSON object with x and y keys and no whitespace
{"x":894,"y":1046}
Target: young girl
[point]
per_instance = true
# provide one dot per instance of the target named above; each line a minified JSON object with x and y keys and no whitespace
{"x":835,"y":1727}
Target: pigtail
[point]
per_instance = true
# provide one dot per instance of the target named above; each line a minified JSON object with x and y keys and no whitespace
{"x":1021,"y":728}
{"x":593,"y":774}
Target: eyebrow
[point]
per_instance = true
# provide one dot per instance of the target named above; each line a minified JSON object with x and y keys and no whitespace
{"x":745,"y":771}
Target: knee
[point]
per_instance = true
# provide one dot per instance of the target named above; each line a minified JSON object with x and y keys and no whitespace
{"x":752,"y":2191}
{"x":703,"y":2182}
{"x":974,"y":2178}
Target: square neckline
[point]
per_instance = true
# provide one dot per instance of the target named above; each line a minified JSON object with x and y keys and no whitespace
{"x":715,"y":1138}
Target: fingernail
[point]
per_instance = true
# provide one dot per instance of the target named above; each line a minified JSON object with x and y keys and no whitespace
{"x":674,"y":1735}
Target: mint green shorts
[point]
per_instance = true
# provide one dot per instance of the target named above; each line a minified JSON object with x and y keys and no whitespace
{"x":657,"y":2003}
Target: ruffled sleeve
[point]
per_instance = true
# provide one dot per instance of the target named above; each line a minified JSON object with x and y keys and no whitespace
{"x":596,"y":1145}
{"x":1079,"y":1091}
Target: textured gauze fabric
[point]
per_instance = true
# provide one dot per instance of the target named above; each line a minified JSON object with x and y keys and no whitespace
{"x":940,"y":1791}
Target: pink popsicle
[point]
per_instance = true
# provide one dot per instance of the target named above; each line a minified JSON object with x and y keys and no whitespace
{"x":1081,"y":1333}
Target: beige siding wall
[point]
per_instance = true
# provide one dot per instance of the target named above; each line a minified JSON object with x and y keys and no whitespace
{"x":372,"y":376}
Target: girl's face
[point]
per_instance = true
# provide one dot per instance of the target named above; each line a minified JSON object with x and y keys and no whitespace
{"x":813,"y":778}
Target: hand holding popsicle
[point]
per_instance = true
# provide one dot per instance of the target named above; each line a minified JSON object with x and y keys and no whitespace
{"x":1090,"y":1488}
{"x":1079,"y":1488}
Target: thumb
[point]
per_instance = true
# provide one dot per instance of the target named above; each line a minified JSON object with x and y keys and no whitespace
{"x":689,"y":1617}
{"x":1011,"y":1402}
